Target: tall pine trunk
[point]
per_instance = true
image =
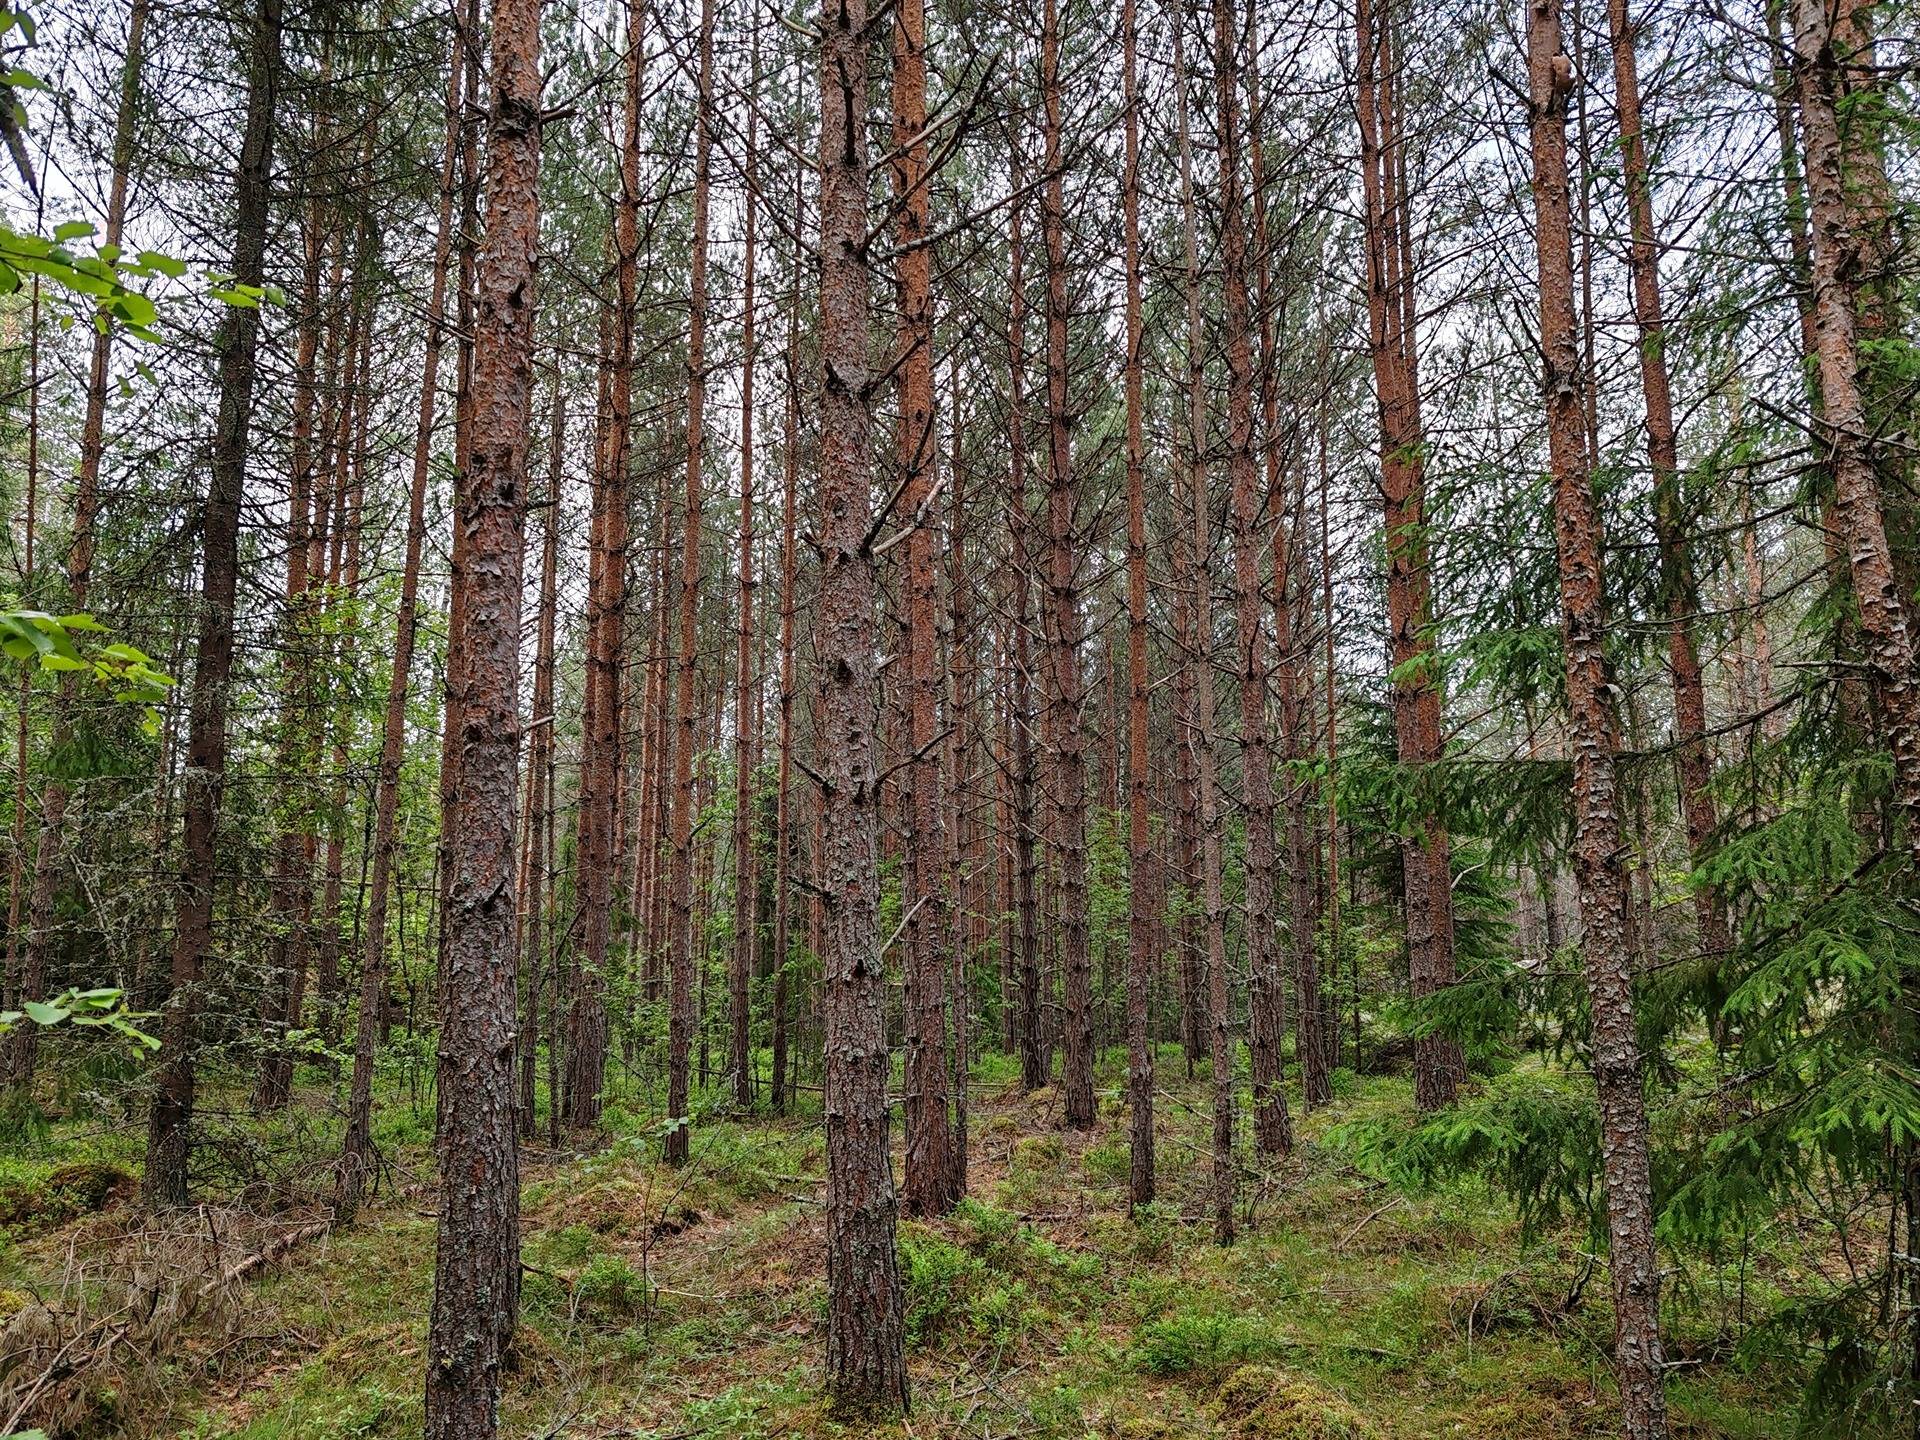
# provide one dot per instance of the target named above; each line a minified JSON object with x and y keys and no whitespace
{"x":746,"y":712}
{"x":1315,"y":1025}
{"x":587,"y":1020}
{"x":783,"y":803}
{"x":1693,"y":758}
{"x":927,"y":1184}
{"x":966,"y":866}
{"x":477,"y":1260}
{"x":290,"y":888}
{"x":1142,"y":889}
{"x":537,"y":866}
{"x":1198,"y":659}
{"x":1030,"y":1025}
{"x":1266,"y":997}
{"x":1425,"y":853}
{"x":1843,"y":424}
{"x":171,"y":1113}
{"x":1592,"y":730}
{"x":680,"y":1003}
{"x":1063,"y":593}
{"x":866,"y":1357}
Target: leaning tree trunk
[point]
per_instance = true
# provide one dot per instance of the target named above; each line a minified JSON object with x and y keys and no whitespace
{"x":866,"y":1331}
{"x":1693,"y":758}
{"x":165,"y":1183}
{"x":1592,"y":734}
{"x":476,"y":1290}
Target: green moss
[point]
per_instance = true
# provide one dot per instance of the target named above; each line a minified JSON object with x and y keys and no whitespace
{"x":83,"y":1187}
{"x":1258,"y":1402}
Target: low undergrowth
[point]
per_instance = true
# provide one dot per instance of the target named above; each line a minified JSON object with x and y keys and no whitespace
{"x":690,"y":1303}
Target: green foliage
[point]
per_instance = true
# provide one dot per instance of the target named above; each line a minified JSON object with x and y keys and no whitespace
{"x":97,"y":1009}
{"x":1110,"y":1161}
{"x":1534,"y":1133}
{"x":1196,"y":1340}
{"x":937,"y":1275}
{"x":121,"y":670}
{"x":611,"y":1286}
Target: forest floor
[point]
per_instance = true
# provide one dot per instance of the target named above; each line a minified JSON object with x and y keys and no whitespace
{"x":691,"y":1304}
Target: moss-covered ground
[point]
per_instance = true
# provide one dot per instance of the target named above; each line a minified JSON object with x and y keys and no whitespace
{"x":663,"y":1304}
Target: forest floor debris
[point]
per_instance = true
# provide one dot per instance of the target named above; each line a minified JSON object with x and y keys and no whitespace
{"x":690,"y":1303}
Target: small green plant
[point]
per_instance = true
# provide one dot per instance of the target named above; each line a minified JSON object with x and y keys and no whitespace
{"x":1070,"y":1265}
{"x":1110,"y":1161}
{"x":1003,"y":1313}
{"x":574,"y":1245}
{"x":1155,"y":1226}
{"x":1056,"y":1413}
{"x":610,"y":1286}
{"x":1190,"y":1341}
{"x":993,"y":1229}
{"x":939,"y":1277}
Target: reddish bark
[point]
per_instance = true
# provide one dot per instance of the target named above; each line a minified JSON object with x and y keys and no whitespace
{"x":538,"y":857}
{"x":1272,"y":1128}
{"x":477,"y":1260}
{"x":1844,"y":425}
{"x":1593,"y":735}
{"x":1693,"y":759}
{"x":586,"y":1050}
{"x":1425,"y":863}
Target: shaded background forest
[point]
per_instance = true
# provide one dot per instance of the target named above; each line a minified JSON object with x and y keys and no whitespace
{"x":1524,"y":713}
